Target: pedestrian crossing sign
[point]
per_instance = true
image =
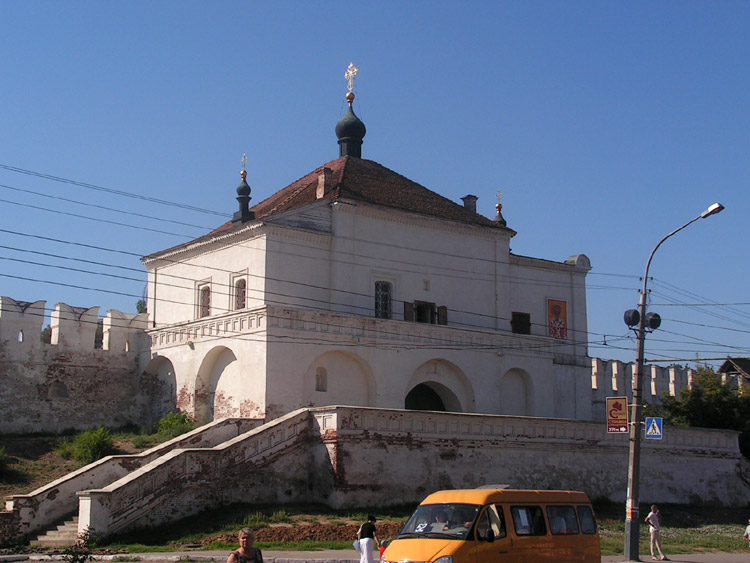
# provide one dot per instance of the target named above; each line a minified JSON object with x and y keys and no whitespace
{"x":653,"y":428}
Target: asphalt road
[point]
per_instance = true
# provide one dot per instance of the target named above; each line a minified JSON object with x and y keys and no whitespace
{"x":340,"y":556}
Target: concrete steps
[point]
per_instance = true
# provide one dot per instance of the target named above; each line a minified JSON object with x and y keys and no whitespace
{"x":60,"y":535}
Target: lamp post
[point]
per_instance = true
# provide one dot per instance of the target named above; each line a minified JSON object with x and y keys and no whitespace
{"x":632,"y":522}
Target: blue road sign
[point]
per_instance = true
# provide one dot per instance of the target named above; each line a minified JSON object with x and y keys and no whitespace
{"x":653,"y":428}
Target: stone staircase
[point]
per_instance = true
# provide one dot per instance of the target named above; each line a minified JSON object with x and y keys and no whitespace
{"x":63,"y":534}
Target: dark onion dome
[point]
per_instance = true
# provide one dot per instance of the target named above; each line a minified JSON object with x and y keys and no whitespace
{"x":350,"y":132}
{"x":243,"y":189}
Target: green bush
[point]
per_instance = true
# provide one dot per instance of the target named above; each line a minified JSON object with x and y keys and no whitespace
{"x":65,"y":449}
{"x":92,"y":445}
{"x":174,"y":424}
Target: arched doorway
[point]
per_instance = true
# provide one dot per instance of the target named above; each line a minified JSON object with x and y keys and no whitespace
{"x":439,"y":385}
{"x":424,"y":398}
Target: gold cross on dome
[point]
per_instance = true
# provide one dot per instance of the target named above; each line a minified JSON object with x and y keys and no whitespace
{"x":243,"y":161}
{"x":351,"y":72}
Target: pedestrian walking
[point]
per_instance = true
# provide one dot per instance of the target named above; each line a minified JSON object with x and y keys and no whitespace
{"x":747,"y":533}
{"x":367,"y":535}
{"x":654,"y":521}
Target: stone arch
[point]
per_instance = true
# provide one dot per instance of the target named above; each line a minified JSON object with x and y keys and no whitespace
{"x":348,"y":381}
{"x":517,"y":393}
{"x":440,"y":383}
{"x":217,"y":386}
{"x":160,"y":374}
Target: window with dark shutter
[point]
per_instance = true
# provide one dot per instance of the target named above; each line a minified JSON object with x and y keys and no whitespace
{"x":442,"y":315}
{"x":521,"y":323}
{"x":409,"y":311}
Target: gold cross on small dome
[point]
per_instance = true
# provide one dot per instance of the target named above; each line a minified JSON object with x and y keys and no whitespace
{"x":351,"y":72}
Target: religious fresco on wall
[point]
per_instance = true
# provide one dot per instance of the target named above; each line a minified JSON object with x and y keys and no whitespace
{"x":557,"y":318}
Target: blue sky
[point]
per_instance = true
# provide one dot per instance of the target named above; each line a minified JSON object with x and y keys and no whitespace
{"x":605,"y":124}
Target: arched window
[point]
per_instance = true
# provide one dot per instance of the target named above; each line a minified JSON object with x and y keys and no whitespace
{"x":204,"y":307}
{"x":240,"y":290}
{"x":321,"y":379}
{"x":383,"y":299}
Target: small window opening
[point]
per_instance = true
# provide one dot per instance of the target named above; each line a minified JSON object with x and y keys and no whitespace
{"x":321,"y":379}
{"x":20,"y":336}
{"x":383,"y":300}
{"x":240,"y":291}
{"x":205,"y":302}
{"x":521,"y":323}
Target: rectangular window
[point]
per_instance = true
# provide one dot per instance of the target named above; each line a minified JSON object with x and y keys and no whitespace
{"x":588,"y":522}
{"x":424,"y":312}
{"x":203,"y":299}
{"x":562,"y":520}
{"x":240,"y":293}
{"x":528,"y":520}
{"x":520,"y":323}
{"x":383,"y":300}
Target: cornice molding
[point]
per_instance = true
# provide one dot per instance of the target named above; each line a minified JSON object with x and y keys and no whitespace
{"x":249,"y":232}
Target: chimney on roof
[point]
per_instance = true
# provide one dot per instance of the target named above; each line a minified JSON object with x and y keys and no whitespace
{"x":470,"y":202}
{"x":324,"y":182}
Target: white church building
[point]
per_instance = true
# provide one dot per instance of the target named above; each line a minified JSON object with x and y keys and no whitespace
{"x":357,"y":286}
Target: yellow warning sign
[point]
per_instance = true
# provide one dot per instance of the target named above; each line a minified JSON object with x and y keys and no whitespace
{"x":617,"y":415}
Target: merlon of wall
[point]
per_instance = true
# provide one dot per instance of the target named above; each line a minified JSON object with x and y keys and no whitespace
{"x":73,"y":328}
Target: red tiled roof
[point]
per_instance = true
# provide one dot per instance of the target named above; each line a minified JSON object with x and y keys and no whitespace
{"x":366,"y":181}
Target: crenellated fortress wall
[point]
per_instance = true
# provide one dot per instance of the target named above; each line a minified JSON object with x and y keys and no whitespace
{"x":69,"y":383}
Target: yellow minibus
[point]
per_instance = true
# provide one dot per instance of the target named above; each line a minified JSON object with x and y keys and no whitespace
{"x":498,"y":526}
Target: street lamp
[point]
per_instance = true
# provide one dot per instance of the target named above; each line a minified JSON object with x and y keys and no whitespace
{"x":646,"y":323}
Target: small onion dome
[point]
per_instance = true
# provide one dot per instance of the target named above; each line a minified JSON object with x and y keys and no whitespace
{"x":243,"y":189}
{"x":350,"y":132}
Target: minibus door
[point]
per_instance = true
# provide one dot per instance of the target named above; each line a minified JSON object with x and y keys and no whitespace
{"x":491,"y":537}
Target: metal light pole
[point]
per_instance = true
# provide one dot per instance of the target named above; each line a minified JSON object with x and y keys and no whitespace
{"x":632,"y":522}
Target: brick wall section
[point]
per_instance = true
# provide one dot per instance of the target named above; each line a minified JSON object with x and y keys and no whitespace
{"x":9,"y":529}
{"x":53,"y":390}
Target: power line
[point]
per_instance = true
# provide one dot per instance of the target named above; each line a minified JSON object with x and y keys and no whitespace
{"x":111,"y":191}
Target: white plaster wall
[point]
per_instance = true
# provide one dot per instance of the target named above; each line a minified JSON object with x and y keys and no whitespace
{"x":391,"y":360}
{"x":427,"y":260}
{"x":172,"y":290}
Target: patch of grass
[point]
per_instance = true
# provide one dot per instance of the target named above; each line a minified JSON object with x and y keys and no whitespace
{"x":175,"y":423}
{"x":304,"y":546}
{"x":65,"y":449}
{"x":685,"y":528}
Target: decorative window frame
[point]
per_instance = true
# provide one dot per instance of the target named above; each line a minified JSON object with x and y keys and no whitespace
{"x":199,"y":287}
{"x":388,"y":278}
{"x":233,"y":279}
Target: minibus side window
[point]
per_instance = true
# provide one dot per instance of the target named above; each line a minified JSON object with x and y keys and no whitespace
{"x":489,"y":520}
{"x":588,"y":522}
{"x":562,"y":520}
{"x":528,"y":520}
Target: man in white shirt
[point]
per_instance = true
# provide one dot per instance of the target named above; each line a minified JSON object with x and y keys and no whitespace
{"x":654,"y":521}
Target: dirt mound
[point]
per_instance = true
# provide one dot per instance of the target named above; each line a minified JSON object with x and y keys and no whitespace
{"x":312,"y":532}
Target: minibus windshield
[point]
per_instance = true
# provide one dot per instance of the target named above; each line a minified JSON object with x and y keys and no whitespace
{"x":446,"y":520}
